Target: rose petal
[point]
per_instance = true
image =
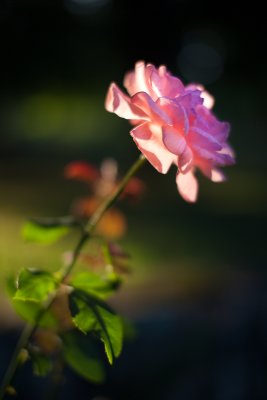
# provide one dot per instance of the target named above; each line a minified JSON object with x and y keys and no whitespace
{"x":185,"y":160}
{"x":120,"y":104}
{"x":137,"y":80}
{"x":208,"y":122}
{"x":129,"y":83}
{"x":217,"y":158}
{"x":190,"y":99}
{"x":208,"y":99}
{"x":187,"y":186}
{"x":172,"y":139}
{"x":201,"y":138}
{"x":164,"y":84}
{"x":207,"y":168}
{"x":227,"y":149}
{"x":157,"y":83}
{"x":217,"y":175}
{"x":148,"y":138}
{"x":177,"y":114}
{"x":143,"y":101}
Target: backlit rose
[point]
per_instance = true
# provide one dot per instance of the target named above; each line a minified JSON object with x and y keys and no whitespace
{"x":173,"y":124}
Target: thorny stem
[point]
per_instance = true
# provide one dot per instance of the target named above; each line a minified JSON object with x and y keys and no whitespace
{"x":86,"y":233}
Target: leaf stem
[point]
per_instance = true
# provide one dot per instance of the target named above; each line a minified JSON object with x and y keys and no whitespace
{"x":86,"y":233}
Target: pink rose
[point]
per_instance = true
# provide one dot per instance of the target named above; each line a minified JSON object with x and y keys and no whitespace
{"x":173,"y":124}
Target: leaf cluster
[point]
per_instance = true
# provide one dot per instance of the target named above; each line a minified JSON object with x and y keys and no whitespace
{"x":35,"y":296}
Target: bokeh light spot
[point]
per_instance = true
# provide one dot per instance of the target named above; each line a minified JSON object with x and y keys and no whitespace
{"x":201,"y":57}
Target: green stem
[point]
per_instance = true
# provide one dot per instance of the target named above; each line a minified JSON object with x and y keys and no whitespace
{"x":90,"y":226}
{"x":15,"y":361}
{"x":111,"y":200}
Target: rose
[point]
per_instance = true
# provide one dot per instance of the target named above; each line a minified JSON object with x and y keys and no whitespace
{"x":173,"y":124}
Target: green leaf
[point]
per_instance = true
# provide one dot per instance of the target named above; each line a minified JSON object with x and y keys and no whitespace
{"x":96,"y":285}
{"x":93,"y":315}
{"x":111,"y":332}
{"x":84,"y":318}
{"x":29,"y":310}
{"x":80,"y":353}
{"x":34,"y":285}
{"x":41,"y":364}
{"x":40,"y":233}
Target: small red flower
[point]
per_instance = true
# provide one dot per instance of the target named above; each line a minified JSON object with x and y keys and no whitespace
{"x":102,"y":182}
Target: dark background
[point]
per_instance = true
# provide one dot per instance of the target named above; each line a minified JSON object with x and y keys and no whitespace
{"x":198,"y":293}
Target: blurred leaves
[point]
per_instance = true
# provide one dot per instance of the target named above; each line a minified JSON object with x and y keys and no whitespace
{"x":34,"y":285}
{"x":82,"y":306}
{"x":11,"y":391}
{"x":81,"y":355}
{"x":96,"y":285}
{"x":41,"y":363}
{"x":33,"y":231}
{"x":49,"y":114}
{"x":29,"y":310}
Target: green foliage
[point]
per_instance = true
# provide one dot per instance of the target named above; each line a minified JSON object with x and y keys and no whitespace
{"x":29,"y":310}
{"x":34,"y":231}
{"x":93,"y":315}
{"x":11,"y":391}
{"x":96,"y":285}
{"x":41,"y":363}
{"x":111,"y":331}
{"x":34,"y":285}
{"x":80,"y":353}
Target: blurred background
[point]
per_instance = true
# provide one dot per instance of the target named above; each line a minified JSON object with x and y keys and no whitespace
{"x":198,"y":288}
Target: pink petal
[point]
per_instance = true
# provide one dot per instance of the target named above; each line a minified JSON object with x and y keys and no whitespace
{"x":148,"y":138}
{"x":185,"y":160}
{"x":187,"y":186}
{"x":137,"y":80}
{"x":208,"y":122}
{"x":152,"y":90}
{"x":217,"y":158}
{"x":217,"y":175}
{"x":120,"y":104}
{"x":177,"y":114}
{"x":201,"y":138}
{"x":142,"y":132}
{"x":166,"y":85}
{"x":143,"y":101}
{"x":172,"y":139}
{"x":227,"y":149}
{"x":129,"y":83}
{"x":190,"y":99}
{"x":221,"y":130}
{"x":208,"y":99}
{"x":207,"y":168}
